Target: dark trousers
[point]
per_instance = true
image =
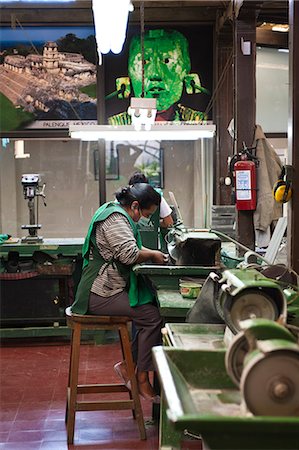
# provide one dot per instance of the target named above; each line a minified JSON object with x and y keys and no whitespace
{"x":147,"y":320}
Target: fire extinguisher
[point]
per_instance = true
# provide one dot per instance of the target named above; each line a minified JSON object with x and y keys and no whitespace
{"x":242,"y":168}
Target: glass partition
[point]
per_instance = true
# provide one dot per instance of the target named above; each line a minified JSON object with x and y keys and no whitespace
{"x":69,"y":170}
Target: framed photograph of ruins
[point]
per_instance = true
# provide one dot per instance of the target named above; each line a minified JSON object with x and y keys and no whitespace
{"x":47,"y":78}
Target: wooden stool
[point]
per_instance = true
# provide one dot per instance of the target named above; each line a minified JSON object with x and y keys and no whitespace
{"x":78,"y":323}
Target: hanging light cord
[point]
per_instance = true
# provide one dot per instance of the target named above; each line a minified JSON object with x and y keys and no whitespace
{"x":26,"y":34}
{"x":142,"y":46}
{"x":219,"y":83}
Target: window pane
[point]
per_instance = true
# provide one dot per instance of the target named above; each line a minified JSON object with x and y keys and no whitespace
{"x":272,"y":84}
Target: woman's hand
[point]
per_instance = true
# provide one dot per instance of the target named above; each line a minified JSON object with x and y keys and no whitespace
{"x":157,"y":257}
{"x":167,"y":222}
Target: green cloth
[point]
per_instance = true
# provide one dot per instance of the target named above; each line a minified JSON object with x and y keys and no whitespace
{"x":150,"y":228}
{"x":138,"y":290}
{"x":3,"y":238}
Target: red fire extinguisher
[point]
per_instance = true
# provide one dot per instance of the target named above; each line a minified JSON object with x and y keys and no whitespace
{"x":245,"y":184}
{"x":243,"y":168}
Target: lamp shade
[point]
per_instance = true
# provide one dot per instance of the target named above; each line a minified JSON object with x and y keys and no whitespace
{"x":110,"y":20}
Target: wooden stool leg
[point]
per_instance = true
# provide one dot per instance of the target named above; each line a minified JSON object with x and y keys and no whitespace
{"x":69,"y":377}
{"x":124,"y":358}
{"x":124,"y":335}
{"x":73,"y":382}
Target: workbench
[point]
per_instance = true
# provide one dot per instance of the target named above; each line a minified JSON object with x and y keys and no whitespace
{"x":167,"y":277}
{"x":200,"y":400}
{"x":35,"y":294}
{"x":173,"y":307}
{"x":186,"y":336}
{"x":33,"y":304}
{"x":63,"y":246}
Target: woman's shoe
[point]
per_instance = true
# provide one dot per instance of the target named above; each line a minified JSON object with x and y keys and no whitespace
{"x":154,"y":399}
{"x":121,"y":370}
{"x":148,"y":392}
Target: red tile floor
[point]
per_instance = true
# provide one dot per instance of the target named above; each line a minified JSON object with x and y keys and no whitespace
{"x":33,"y":393}
{"x":33,"y":378}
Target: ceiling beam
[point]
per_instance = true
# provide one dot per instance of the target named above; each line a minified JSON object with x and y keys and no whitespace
{"x":156,"y":11}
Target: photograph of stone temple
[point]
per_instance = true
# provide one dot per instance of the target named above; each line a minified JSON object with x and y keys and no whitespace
{"x":53,"y":85}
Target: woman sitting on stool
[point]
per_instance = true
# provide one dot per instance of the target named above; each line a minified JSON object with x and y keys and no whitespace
{"x":108,"y":285}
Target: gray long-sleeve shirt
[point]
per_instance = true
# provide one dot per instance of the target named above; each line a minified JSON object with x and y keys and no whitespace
{"x":115,"y":239}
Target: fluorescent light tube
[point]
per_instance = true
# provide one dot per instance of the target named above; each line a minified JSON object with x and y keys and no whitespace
{"x":182,"y":131}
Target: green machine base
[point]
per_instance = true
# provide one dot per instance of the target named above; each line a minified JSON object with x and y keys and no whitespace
{"x":201,"y":399}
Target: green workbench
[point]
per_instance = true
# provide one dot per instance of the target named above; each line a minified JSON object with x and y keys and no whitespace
{"x":187,"y":336}
{"x":173,"y":306}
{"x":64,"y":246}
{"x":200,"y":400}
{"x":167,"y":277}
{"x":33,"y":300}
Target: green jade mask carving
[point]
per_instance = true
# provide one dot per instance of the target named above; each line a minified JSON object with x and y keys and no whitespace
{"x":166,"y":63}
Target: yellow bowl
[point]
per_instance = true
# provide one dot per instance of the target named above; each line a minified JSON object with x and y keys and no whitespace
{"x":189,"y":289}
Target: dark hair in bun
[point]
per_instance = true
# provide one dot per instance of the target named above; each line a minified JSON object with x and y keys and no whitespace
{"x":138,"y":177}
{"x":143,"y":193}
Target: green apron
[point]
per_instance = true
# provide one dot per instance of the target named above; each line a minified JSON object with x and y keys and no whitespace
{"x":139,"y":290}
{"x":150,"y":230}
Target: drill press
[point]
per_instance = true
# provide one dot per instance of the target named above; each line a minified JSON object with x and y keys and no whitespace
{"x":32,"y":190}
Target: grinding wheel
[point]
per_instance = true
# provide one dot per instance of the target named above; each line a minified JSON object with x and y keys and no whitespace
{"x":234,"y":357}
{"x":270,"y":383}
{"x":250,"y":304}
